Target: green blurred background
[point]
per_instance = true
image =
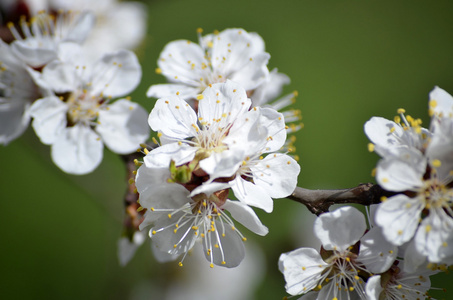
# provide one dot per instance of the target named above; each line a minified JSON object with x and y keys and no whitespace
{"x":349,"y":60}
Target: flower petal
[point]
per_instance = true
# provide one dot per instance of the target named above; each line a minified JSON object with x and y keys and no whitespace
{"x":340,"y":229}
{"x":396,"y":175}
{"x":276,"y":174}
{"x":77,"y":150}
{"x":376,"y":253}
{"x":169,"y":89}
{"x":302,"y":269}
{"x":174,"y":118}
{"x":246,"y":216}
{"x":123,"y":126}
{"x":251,"y":194}
{"x":49,"y":118}
{"x":398,"y":217}
{"x":116,"y":74}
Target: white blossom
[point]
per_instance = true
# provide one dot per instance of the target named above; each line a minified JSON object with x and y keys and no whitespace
{"x":341,"y":270}
{"x":17,"y":92}
{"x":80,"y":118}
{"x":178,"y":220}
{"x":423,"y":174}
{"x":232,"y":54}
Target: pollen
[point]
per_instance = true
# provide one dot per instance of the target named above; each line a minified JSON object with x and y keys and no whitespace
{"x":371,"y":147}
{"x":200,"y":97}
{"x":436,"y":163}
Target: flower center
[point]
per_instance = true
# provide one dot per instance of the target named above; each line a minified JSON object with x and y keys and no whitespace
{"x":83,"y":108}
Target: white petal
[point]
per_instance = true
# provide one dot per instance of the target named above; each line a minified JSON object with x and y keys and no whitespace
{"x":399,"y":216}
{"x":174,"y":118}
{"x":14,"y":119}
{"x":116,"y":74}
{"x":413,"y":259}
{"x":60,"y":77}
{"x":242,"y":55}
{"x":396,"y":175}
{"x":209,"y":188}
{"x":378,"y":131}
{"x":432,"y":237}
{"x":254,"y":73}
{"x":302,"y":269}
{"x":49,"y":118}
{"x":373,"y":287}
{"x":33,"y":52}
{"x":376,"y":253}
{"x":270,"y":89}
{"x":174,"y":62}
{"x":275,"y":124}
{"x":161,"y":256}
{"x":127,"y":248}
{"x":165,"y":196}
{"x":223,"y":101}
{"x":441,"y":148}
{"x":248,"y":134}
{"x":246,"y":216}
{"x":77,"y":150}
{"x":168,"y":89}
{"x":169,"y":240}
{"x":222,"y":164}
{"x":150,"y":178}
{"x":123,"y":126}
{"x":163,"y":155}
{"x":276,"y":174}
{"x":230,"y":251}
{"x":340,"y":229}
{"x":251,"y":194}
{"x":441,"y":102}
{"x":82,"y":27}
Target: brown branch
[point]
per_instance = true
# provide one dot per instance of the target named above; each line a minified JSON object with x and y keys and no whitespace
{"x":319,"y":201}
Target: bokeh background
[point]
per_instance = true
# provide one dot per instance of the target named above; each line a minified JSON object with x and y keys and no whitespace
{"x":349,"y":61}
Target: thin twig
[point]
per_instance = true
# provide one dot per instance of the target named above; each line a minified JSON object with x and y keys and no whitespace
{"x":319,"y":201}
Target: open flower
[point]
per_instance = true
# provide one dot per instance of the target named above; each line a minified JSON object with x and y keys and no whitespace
{"x":179,"y":220}
{"x":17,"y":92}
{"x":79,"y":118}
{"x":341,"y":269}
{"x":423,"y":211}
{"x":232,"y":54}
{"x":211,"y":134}
{"x":44,"y":33}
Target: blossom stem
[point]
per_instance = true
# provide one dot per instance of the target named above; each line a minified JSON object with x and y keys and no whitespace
{"x":319,"y":201}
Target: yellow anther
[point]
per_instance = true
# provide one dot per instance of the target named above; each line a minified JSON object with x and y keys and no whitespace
{"x":131,"y":180}
{"x":244,"y":239}
{"x":200,"y":97}
{"x":211,"y":265}
{"x":428,"y":228}
{"x":169,"y":216}
{"x":436,"y":163}
{"x":180,"y":264}
{"x":174,"y":246}
{"x":371,"y":147}
{"x":199,"y":30}
{"x":432,"y":103}
{"x":401,"y":110}
{"x":223,"y":262}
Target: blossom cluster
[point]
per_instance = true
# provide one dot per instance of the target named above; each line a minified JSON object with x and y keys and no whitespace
{"x":52,"y":73}
{"x":354,"y":263}
{"x":417,"y":164}
{"x":214,"y":139}
{"x":411,"y":232}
